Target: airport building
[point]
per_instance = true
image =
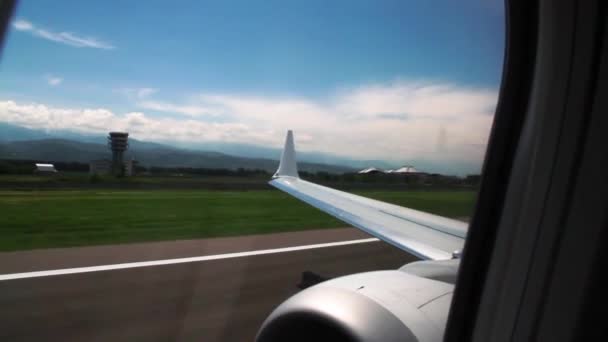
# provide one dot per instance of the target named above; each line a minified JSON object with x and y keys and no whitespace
{"x":104,"y":167}
{"x":130,"y":167}
{"x":118,"y":142}
{"x":409,"y":173}
{"x":370,"y":171}
{"x":45,"y":168}
{"x":404,"y":170}
{"x":100,"y":167}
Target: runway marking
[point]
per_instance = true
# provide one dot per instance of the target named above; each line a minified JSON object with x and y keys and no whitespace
{"x":64,"y":271}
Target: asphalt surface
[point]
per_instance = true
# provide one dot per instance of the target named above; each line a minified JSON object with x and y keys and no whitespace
{"x":219,"y":300}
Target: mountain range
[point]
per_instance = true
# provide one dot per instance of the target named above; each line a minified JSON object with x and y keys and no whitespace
{"x":84,"y":147}
{"x":23,"y":143}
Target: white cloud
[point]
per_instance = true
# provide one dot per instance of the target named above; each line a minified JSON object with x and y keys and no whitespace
{"x":101,"y":120}
{"x":23,"y":25}
{"x":142,"y":99}
{"x":67,"y":38}
{"x":418,"y":100}
{"x":167,"y":107}
{"x":145,"y":92}
{"x":53,"y":80}
{"x":135,"y":94}
{"x":399,"y":121}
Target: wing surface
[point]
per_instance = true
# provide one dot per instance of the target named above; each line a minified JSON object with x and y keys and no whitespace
{"x":422,"y":234}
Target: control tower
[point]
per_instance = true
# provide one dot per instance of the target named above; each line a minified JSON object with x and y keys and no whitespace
{"x":118,"y":143}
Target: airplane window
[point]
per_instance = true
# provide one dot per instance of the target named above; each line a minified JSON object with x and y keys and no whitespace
{"x":178,"y":170}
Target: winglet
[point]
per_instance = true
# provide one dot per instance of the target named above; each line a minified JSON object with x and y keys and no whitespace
{"x":288,"y":165}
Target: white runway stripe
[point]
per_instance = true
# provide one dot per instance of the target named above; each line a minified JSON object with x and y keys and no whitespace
{"x":12,"y":276}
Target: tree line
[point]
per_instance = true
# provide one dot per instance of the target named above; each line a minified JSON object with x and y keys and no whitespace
{"x":8,"y":166}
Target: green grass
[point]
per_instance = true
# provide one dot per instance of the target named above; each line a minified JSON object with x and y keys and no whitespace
{"x":84,"y":178}
{"x":455,"y":204}
{"x":41,"y":219}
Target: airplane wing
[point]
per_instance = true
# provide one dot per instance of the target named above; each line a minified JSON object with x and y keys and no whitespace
{"x":422,"y":234}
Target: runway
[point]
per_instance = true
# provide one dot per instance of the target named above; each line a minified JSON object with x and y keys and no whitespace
{"x":224,"y":299}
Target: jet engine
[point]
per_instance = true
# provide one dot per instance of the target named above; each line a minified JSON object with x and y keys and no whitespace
{"x":372,"y":306}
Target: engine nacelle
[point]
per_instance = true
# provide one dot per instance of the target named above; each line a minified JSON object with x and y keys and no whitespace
{"x":372,"y":306}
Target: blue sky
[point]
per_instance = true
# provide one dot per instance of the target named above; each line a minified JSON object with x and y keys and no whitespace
{"x":244,"y":71}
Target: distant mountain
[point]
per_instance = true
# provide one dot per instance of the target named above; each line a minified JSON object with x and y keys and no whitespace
{"x":254,"y":151}
{"x":226,"y":153}
{"x":148,"y":154}
{"x":9,"y":132}
{"x":53,"y":150}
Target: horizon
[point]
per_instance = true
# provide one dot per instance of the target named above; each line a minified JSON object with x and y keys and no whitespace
{"x":393,"y":82}
{"x":228,"y":149}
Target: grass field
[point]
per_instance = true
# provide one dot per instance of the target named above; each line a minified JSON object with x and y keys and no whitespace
{"x":40,"y":219}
